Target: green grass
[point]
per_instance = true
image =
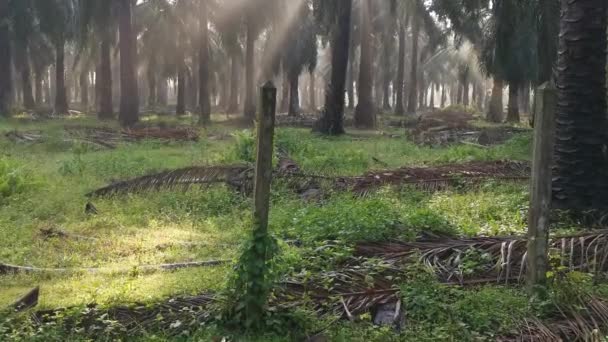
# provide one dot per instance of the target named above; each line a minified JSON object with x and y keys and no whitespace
{"x":44,"y":185}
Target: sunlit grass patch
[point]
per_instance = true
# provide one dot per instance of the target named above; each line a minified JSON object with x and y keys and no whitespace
{"x":493,"y":209}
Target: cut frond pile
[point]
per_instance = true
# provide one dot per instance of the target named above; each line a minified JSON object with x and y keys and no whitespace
{"x":441,"y":177}
{"x":487,"y":260}
{"x":586,"y":319}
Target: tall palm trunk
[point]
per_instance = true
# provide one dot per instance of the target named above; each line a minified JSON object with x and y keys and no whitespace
{"x":413,"y":94}
{"x":350,"y":76}
{"x":180,"y":109}
{"x":203,"y":63}
{"x":61,"y":100}
{"x":388,"y":46}
{"x":5,"y":60}
{"x":161,"y":92}
{"x":399,"y":107}
{"x":84,"y":88}
{"x":233,"y":105}
{"x":443,"y":95}
{"x":311,"y":92}
{"x":465,"y":92}
{"x":332,"y":120}
{"x":26,"y":75}
{"x":152,"y":82}
{"x":513,"y":110}
{"x":38,"y":95}
{"x":294,"y":94}
{"x":129,"y":99}
{"x":249,"y":108}
{"x":579,"y":180}
{"x":495,"y":110}
{"x":104,"y":80}
{"x":365,"y":116}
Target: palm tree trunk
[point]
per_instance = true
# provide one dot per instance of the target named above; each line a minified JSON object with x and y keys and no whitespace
{"x":388,"y":46}
{"x":152,"y":83}
{"x":513,"y":110}
{"x":180,"y":109}
{"x":5,"y":61}
{"x":465,"y":93}
{"x":61,"y":100}
{"x":579,"y":173}
{"x":104,"y":80}
{"x":84,"y":88}
{"x":399,"y":108}
{"x":203,"y":71}
{"x":495,"y":110}
{"x":129,"y":99}
{"x":233,"y":105}
{"x":161,"y":92}
{"x":312,"y":92}
{"x":284,"y":106}
{"x":443,"y":96}
{"x":413,"y":94}
{"x":294,"y":94}
{"x":38,"y":95}
{"x":365,"y":116}
{"x":432,"y":104}
{"x":249,"y":72}
{"x":350,"y":76}
{"x":26,"y":78}
{"x":332,"y":119}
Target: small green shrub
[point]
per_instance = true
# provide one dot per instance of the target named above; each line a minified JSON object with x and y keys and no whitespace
{"x":447,"y":313}
{"x":244,"y":146}
{"x":342,"y":218}
{"x":12,"y":180}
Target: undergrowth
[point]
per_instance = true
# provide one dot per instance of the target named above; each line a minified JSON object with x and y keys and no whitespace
{"x":43,"y":185}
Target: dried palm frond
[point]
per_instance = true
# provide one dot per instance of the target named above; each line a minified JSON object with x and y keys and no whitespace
{"x":352,"y":290}
{"x":502,"y":258}
{"x":24,"y":136}
{"x":585,"y":319}
{"x":181,"y":178}
{"x":440,"y":177}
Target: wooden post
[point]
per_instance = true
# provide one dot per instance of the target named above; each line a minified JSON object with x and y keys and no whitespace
{"x":263,"y":167}
{"x":540,"y":187}
{"x":256,"y":258}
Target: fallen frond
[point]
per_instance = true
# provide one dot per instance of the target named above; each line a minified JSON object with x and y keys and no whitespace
{"x":182,"y":178}
{"x":585,"y":319}
{"x":501,"y":259}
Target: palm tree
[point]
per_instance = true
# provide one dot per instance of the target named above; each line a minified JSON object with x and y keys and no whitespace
{"x":300,"y":53}
{"x":365,"y":116}
{"x":97,"y":22}
{"x":328,"y":12}
{"x":204,"y":101}
{"x":23,"y":20}
{"x":388,"y":20}
{"x":129,"y":96}
{"x":5,"y":59}
{"x":57,"y":21}
{"x":580,"y":159}
{"x":399,"y":86}
{"x":41,"y":55}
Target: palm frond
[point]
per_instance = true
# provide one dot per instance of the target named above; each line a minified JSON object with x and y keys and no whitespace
{"x":181,"y":178}
{"x":500,"y":259}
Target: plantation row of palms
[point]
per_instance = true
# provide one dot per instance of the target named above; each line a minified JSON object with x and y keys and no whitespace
{"x":381,"y":56}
